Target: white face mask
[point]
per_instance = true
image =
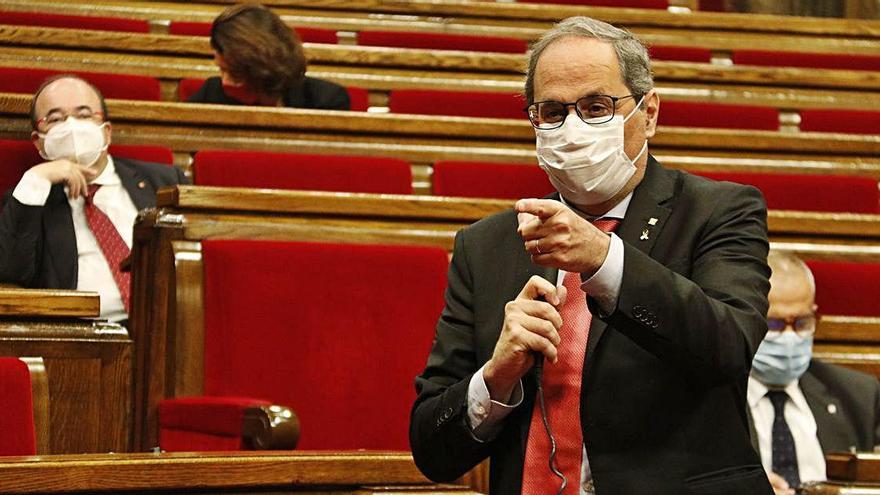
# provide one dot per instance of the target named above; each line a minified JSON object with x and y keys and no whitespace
{"x":587,"y":163}
{"x":78,"y":140}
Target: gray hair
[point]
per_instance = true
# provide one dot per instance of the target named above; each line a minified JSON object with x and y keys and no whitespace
{"x":635,"y":65}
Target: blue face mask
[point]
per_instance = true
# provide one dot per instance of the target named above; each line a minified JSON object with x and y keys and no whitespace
{"x":782,"y":360}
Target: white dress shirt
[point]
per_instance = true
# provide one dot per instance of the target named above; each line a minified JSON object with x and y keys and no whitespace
{"x":484,"y":414}
{"x":93,"y":270}
{"x":811,"y":460}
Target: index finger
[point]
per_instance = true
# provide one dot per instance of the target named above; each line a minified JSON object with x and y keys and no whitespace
{"x":541,"y":208}
{"x":538,"y":287}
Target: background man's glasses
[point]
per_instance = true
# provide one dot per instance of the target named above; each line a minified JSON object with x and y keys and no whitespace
{"x":57,"y":117}
{"x":804,"y":326}
{"x":593,"y":109}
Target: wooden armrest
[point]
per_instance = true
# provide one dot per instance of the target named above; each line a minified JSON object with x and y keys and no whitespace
{"x":270,"y":428}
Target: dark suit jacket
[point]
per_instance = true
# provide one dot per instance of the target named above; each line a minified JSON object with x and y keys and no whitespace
{"x":846,"y":405}
{"x":663,"y":409}
{"x":312,"y":93}
{"x":38,"y":243}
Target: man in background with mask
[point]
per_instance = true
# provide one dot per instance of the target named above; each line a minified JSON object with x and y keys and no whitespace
{"x":801,"y":408}
{"x":646,"y":332}
{"x":68,"y":223}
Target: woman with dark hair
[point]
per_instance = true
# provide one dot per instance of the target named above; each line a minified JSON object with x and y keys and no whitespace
{"x":262,"y":63}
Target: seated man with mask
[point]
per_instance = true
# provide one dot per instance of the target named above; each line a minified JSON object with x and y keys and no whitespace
{"x":802,"y":408}
{"x":68,"y":223}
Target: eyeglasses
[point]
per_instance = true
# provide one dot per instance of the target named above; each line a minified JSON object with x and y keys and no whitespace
{"x":58,"y":116}
{"x":593,"y":109}
{"x":804,"y":326}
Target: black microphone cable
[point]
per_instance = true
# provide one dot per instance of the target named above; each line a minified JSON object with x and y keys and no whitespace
{"x":539,"y":373}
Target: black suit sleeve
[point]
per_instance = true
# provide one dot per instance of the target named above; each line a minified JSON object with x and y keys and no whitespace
{"x":20,"y":242}
{"x":440,"y":436}
{"x":711,"y":322}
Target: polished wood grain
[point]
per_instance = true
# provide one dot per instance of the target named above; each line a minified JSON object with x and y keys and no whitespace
{"x":326,"y":472}
{"x":862,"y":466}
{"x":89,"y":374}
{"x":48,"y":303}
{"x":40,"y":386}
{"x":460,"y":16}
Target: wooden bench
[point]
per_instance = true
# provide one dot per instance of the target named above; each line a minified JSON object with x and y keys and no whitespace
{"x":167,"y":270}
{"x":246,"y":472}
{"x":849,"y":473}
{"x":88,"y":367}
{"x":380,"y":70}
{"x":422,"y":140}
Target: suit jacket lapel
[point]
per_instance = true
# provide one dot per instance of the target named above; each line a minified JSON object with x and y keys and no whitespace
{"x":831,"y":427}
{"x":141,"y":191}
{"x":60,"y":237}
{"x":645,"y":218}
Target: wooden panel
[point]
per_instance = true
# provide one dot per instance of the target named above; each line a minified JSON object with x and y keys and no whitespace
{"x":88,"y":367}
{"x":48,"y":303}
{"x":40,"y":387}
{"x":324,"y":472}
{"x":853,"y":467}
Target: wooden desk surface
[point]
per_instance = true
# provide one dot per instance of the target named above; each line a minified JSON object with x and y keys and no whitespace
{"x":49,"y":303}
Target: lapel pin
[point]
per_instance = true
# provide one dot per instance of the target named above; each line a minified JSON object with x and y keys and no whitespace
{"x":652,"y":221}
{"x":142,"y":185}
{"x":832,"y":409}
{"x":644,"y":236}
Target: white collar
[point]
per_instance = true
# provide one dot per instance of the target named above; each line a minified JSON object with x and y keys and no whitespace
{"x":757,"y":391}
{"x":108,"y":176}
{"x":618,"y":211}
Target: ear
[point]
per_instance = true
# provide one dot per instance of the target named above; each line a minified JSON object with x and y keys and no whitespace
{"x":37,"y":140}
{"x":108,"y":132}
{"x":652,"y":111}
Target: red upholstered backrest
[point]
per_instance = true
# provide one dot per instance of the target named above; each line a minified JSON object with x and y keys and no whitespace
{"x":635,"y":4}
{"x":17,"y":433}
{"x":300,"y":171}
{"x":806,"y":60}
{"x":490,"y":180}
{"x":155,"y":154}
{"x":458,"y":103}
{"x":335,"y":331}
{"x":851,"y":289}
{"x":442,"y":41}
{"x":307,"y":35}
{"x":680,"y":53}
{"x":717,"y":115}
{"x":359,"y":99}
{"x":74,"y":22}
{"x":15,"y":158}
{"x":848,"y":121}
{"x":188,"y":87}
{"x":832,"y":193}
{"x":18,"y":80}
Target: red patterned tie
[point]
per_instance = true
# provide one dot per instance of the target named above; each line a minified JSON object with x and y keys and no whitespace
{"x":114,"y":248}
{"x":562,"y":397}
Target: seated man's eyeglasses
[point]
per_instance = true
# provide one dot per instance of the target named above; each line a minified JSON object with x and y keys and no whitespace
{"x":804,"y":326}
{"x":593,"y":109}
{"x":57,"y":116}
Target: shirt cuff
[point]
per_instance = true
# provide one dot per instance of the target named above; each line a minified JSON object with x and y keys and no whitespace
{"x":485,"y":414}
{"x":604,"y":285}
{"x":32,"y":190}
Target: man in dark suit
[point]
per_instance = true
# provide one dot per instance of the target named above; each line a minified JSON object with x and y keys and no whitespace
{"x":68,"y":222}
{"x":819,"y":407}
{"x":644,"y":377}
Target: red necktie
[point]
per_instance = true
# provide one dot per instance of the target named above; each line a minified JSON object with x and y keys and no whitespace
{"x":562,"y":397}
{"x":114,"y":248}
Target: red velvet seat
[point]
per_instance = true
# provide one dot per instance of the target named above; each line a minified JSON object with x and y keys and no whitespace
{"x":74,"y":21}
{"x":490,"y":180}
{"x":17,"y":432}
{"x":307,"y":35}
{"x":457,"y":103}
{"x":847,"y":121}
{"x":122,"y":86}
{"x":680,"y":53}
{"x":831,"y":193}
{"x":300,"y":171}
{"x":851,"y":289}
{"x":632,"y":4}
{"x":337,"y":332}
{"x":358,"y":97}
{"x":717,"y":115}
{"x":442,"y":41}
{"x":806,"y":60}
{"x":144,"y":153}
